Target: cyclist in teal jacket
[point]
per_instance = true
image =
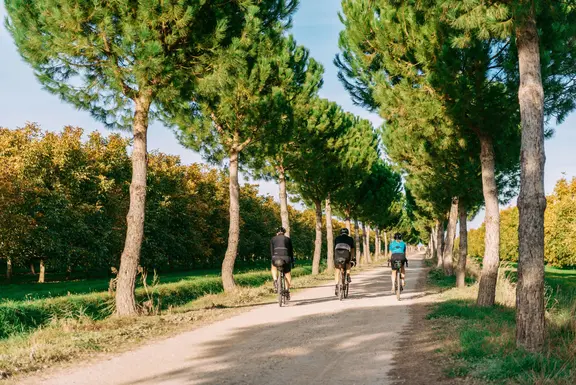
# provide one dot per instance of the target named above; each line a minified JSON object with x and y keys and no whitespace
{"x":398,"y":250}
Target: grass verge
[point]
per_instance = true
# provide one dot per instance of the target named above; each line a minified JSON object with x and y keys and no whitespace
{"x":479,"y":343}
{"x":78,"y":334}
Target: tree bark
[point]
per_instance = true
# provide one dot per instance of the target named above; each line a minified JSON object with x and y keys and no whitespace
{"x":385,"y":244}
{"x":8,"y":269}
{"x":463,"y":247}
{"x":284,"y":201}
{"x":530,"y":321}
{"x":364,"y":252}
{"x":433,"y":242}
{"x":439,"y":243}
{"x":377,"y":250}
{"x":42,"y":275}
{"x":348,"y":225}
{"x":318,"y":240}
{"x":329,"y":237}
{"x":357,"y":242}
{"x":368,"y":254}
{"x":448,"y":258}
{"x":234,"y":228}
{"x":491,"y":261}
{"x":125,"y":299}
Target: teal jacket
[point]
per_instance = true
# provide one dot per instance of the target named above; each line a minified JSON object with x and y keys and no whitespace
{"x":397,"y":247}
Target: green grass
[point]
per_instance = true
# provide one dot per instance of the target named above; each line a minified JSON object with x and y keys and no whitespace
{"x":23,"y":289}
{"x":481,"y":341}
{"x":23,"y":313}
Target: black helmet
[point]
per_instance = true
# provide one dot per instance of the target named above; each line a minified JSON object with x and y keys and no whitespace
{"x":398,"y":236}
{"x":281,"y":230}
{"x":344,"y":231}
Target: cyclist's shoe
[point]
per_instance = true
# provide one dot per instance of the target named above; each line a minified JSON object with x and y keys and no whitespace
{"x":403,"y":283}
{"x":336,"y":291}
{"x":288,"y":295}
{"x":276,"y":286}
{"x":348,"y":279}
{"x":401,"y":288}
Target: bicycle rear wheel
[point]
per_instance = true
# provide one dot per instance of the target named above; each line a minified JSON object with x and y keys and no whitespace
{"x":397,"y":285}
{"x":341,"y":284}
{"x":281,"y":289}
{"x":347,"y":285}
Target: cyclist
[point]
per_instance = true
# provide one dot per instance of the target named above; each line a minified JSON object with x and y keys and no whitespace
{"x":281,"y":251}
{"x":398,"y":250}
{"x":344,"y":249}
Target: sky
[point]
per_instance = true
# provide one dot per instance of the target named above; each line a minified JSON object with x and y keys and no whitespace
{"x":316,"y":25}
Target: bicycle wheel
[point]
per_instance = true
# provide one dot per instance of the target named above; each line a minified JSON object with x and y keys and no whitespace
{"x":281,"y":289}
{"x":341,"y":284}
{"x":397,"y":285}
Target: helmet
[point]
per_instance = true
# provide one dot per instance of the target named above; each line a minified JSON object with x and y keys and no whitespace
{"x":281,"y":230}
{"x":398,"y":236}
{"x":344,"y":231}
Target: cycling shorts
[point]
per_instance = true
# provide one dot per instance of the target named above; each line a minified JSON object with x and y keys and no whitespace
{"x":286,"y":267}
{"x":398,"y":257}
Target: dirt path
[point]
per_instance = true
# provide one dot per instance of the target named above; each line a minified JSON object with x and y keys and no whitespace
{"x":316,"y":340}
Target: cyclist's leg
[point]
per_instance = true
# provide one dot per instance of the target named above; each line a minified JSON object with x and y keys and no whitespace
{"x":348,"y":269}
{"x":336,"y":275}
{"x":288,"y":275}
{"x":274,"y":271}
{"x":403,"y":275}
{"x":393,"y":278}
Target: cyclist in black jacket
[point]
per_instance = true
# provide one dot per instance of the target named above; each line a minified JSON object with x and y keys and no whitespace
{"x":281,"y":248}
{"x":344,"y":248}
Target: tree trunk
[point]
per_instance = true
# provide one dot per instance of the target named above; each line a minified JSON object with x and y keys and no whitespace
{"x":234,"y":228}
{"x":318,"y":241}
{"x":357,"y":242}
{"x":32,"y":268}
{"x":42,"y":275}
{"x":491,"y":261}
{"x":377,"y":250}
{"x":8,"y":269}
{"x":364,"y":252}
{"x":448,"y":258}
{"x":368,"y":255}
{"x":463,"y":247}
{"x":385,"y":244}
{"x":433,"y":242}
{"x":439,"y":243}
{"x":530,"y":321}
{"x":329,"y":237}
{"x":348,"y":225}
{"x":284,"y":201}
{"x":125,"y":300}
{"x":68,"y":272}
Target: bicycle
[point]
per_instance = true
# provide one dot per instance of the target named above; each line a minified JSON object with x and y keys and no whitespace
{"x":398,"y":281}
{"x":343,"y":284}
{"x":282,"y":291}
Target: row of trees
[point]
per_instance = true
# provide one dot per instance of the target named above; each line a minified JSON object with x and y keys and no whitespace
{"x":63,"y":203}
{"x":559,"y":231}
{"x":465,"y":88}
{"x":233,"y":84}
{"x":63,"y":199}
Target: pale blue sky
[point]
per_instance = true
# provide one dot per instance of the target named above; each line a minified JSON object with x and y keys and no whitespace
{"x":316,"y":25}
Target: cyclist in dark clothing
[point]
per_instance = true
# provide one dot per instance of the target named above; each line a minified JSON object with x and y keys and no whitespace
{"x":343,"y":250}
{"x":281,"y":250}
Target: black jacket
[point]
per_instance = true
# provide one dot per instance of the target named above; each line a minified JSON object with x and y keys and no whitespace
{"x":281,"y":246}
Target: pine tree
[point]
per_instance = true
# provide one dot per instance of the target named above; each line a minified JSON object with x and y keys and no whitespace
{"x":123,"y":62}
{"x":242,"y":107}
{"x":539,"y":58}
